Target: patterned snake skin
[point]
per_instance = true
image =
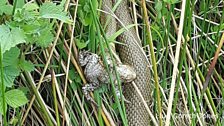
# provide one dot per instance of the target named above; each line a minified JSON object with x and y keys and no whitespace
{"x":132,"y":54}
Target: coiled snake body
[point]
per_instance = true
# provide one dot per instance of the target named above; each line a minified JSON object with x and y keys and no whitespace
{"x":132,"y":54}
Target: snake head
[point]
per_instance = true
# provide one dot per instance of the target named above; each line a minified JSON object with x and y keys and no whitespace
{"x":127,"y":73}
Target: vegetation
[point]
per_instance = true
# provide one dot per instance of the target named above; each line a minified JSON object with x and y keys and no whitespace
{"x":41,"y":80}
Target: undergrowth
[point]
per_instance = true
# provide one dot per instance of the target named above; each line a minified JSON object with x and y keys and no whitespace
{"x":41,"y":80}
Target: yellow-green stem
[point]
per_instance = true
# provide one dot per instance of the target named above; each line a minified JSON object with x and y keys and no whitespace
{"x":149,"y":41}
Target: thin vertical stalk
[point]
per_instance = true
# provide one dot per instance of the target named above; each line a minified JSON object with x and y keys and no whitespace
{"x":149,"y":41}
{"x":55,"y":98}
{"x":176,"y":60}
{"x":99,"y":30}
{"x":3,"y":87}
{"x":48,"y":61}
{"x":14,"y":7}
{"x":38,"y":98}
{"x":69,"y":58}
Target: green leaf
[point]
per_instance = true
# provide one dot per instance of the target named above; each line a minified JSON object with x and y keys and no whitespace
{"x":1,"y":106}
{"x":86,"y":19}
{"x":3,"y":2}
{"x":25,"y":65}
{"x":84,"y":12}
{"x":158,"y":8}
{"x":171,"y":1}
{"x":75,"y":76}
{"x":51,"y":10}
{"x":13,"y":121}
{"x":72,"y":74}
{"x":25,"y":90}
{"x":45,"y":37}
{"x":86,"y":8}
{"x":15,"y":98}
{"x":102,"y":89}
{"x":114,"y":36}
{"x":10,"y":57}
{"x":20,"y":3}
{"x":10,"y":73}
{"x":10,"y":38}
{"x":5,"y":8}
{"x":31,"y":28}
{"x":76,"y":79}
{"x":10,"y":60}
{"x":81,"y":44}
{"x":19,"y":15}
{"x":31,"y":6}
{"x":27,"y":16}
{"x":74,"y":86}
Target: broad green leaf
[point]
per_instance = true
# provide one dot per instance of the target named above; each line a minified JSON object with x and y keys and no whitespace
{"x":25,"y":65}
{"x":72,"y":74}
{"x":18,"y":15}
{"x":10,"y":37}
{"x":31,"y":28}
{"x":84,"y":12}
{"x":45,"y":38}
{"x":10,"y":60}
{"x":25,"y":15}
{"x":20,"y":3}
{"x":31,"y":6}
{"x":1,"y":106}
{"x":75,"y":76}
{"x":51,"y":10}
{"x":10,"y":57}
{"x":10,"y":73}
{"x":5,"y":8}
{"x":15,"y":98}
{"x":85,"y":18}
{"x":74,"y":86}
{"x":63,"y":2}
{"x":3,"y":2}
{"x":158,"y":8}
{"x":25,"y":90}
{"x":81,"y":44}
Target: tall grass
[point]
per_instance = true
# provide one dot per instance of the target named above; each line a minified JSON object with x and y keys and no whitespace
{"x":180,"y":49}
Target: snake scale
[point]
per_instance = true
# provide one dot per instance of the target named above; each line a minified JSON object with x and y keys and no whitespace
{"x":132,"y":54}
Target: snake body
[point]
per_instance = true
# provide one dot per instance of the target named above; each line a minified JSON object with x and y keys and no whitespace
{"x":132,"y":54}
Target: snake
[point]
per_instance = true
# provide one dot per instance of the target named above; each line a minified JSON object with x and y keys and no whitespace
{"x":131,"y":53}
